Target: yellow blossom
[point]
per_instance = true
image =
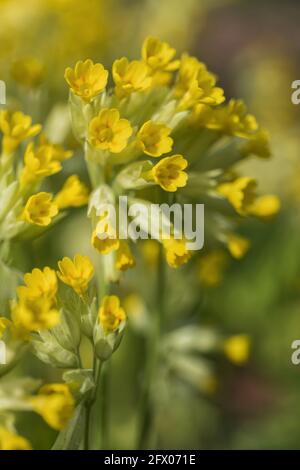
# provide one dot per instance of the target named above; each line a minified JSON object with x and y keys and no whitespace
{"x":169,"y":174}
{"x":58,"y":152}
{"x":150,"y":251}
{"x":111,"y":314}
{"x":176,"y":252}
{"x":265,"y":207}
{"x":240,"y":193}
{"x":108,"y":132}
{"x":130,"y":76}
{"x":74,"y":193}
{"x":87,"y":79}
{"x":38,"y":163}
{"x":9,"y":440}
{"x":258,"y":144}
{"x":76,"y":273}
{"x":34,"y":314}
{"x":124,"y":258}
{"x":158,"y":56}
{"x":40,"y":209}
{"x":16,"y":127}
{"x":29,"y":72}
{"x":39,"y":284}
{"x":153,"y":139}
{"x":106,"y":242}
{"x":55,"y":404}
{"x":211,"y":267}
{"x":237,"y":245}
{"x":237,"y":348}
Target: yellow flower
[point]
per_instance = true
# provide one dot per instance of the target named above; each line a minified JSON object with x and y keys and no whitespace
{"x":153,"y":138}
{"x":265,"y":207}
{"x":110,"y":314}
{"x":38,"y":164}
{"x":258,"y":144}
{"x":169,"y":174}
{"x":87,"y":79}
{"x":58,"y":152}
{"x":74,"y":193}
{"x":39,"y":209}
{"x":4,"y":323}
{"x":9,"y":440}
{"x":150,"y":252}
{"x":240,"y":193}
{"x":159,"y":56}
{"x":76,"y":273}
{"x":55,"y":404}
{"x":108,"y":132}
{"x":34,"y":314}
{"x":130,"y":77}
{"x":237,"y":245}
{"x":16,"y":127}
{"x":237,"y":348}
{"x":108,"y":241}
{"x":211,"y":267}
{"x":233,"y":119}
{"x":176,"y":252}
{"x":124,"y":259}
{"x":29,"y":72}
{"x":195,"y":84}
{"x":39,"y":284}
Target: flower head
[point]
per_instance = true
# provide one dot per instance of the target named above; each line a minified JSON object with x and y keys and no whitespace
{"x":106,"y":241}
{"x":108,"y":132}
{"x":39,"y":283}
{"x":38,"y":163}
{"x":87,"y":79}
{"x":169,"y":173}
{"x":240,"y":193}
{"x":176,"y":252}
{"x":237,"y":348}
{"x":124,"y":258}
{"x":153,"y":139}
{"x":55,"y":404}
{"x":9,"y":440}
{"x":130,"y":76}
{"x":40,"y":209}
{"x":77,"y":273}
{"x":111,"y":314}
{"x":237,"y":245}
{"x":158,"y":56}
{"x":74,"y":193}
{"x":16,"y":127}
{"x":34,"y":314}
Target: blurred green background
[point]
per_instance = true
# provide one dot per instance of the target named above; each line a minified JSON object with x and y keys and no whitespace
{"x":253,"y":46}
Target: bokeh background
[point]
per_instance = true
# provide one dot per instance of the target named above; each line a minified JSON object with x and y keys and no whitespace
{"x":254,"y":48}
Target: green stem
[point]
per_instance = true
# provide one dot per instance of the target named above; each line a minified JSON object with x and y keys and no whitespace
{"x":152,"y":356}
{"x":104,"y":410}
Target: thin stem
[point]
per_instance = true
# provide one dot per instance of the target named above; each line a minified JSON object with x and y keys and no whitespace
{"x":88,"y":407}
{"x":104,"y":410}
{"x":152,"y":355}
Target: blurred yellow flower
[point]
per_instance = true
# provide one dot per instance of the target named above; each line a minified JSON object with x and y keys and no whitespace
{"x":39,"y":283}
{"x":38,"y":163}
{"x":124,"y":258}
{"x":9,"y":440}
{"x":158,"y":56}
{"x":111,"y":314}
{"x":74,"y":193}
{"x":40,"y":209}
{"x":211,"y":268}
{"x":87,"y":79}
{"x":237,"y":245}
{"x":240,"y":193}
{"x":107,"y":243}
{"x":108,"y":132}
{"x":265,"y":207}
{"x":153,"y":138}
{"x":55,"y":404}
{"x":77,"y":273}
{"x":130,"y":76}
{"x":16,"y":127}
{"x":28,"y":71}
{"x":34,"y":314}
{"x":169,"y":174}
{"x":258,"y":144}
{"x":176,"y":252}
{"x":237,"y":348}
{"x":150,"y":251}
{"x":58,"y":152}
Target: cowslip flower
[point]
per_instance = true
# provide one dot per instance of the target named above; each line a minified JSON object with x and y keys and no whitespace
{"x":16,"y":127}
{"x":87,"y":79}
{"x":39,"y":283}
{"x":169,"y":173}
{"x":241,"y":193}
{"x":153,"y":139}
{"x":40,"y":209}
{"x":10,"y":440}
{"x":74,"y":193}
{"x":111,"y":314}
{"x":38,"y":163}
{"x":55,"y":404}
{"x":265,"y":207}
{"x":108,"y":132}
{"x":237,"y":348}
{"x":176,"y":251}
{"x":106,"y":242}
{"x":158,"y":56}
{"x":130,"y":76}
{"x":237,"y":245}
{"x":34,"y":314}
{"x":124,"y":256}
{"x":77,"y":273}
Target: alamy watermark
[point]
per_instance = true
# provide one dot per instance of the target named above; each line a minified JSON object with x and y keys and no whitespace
{"x":2,"y":92}
{"x":295,"y":97}
{"x":2,"y":353}
{"x":140,"y":220}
